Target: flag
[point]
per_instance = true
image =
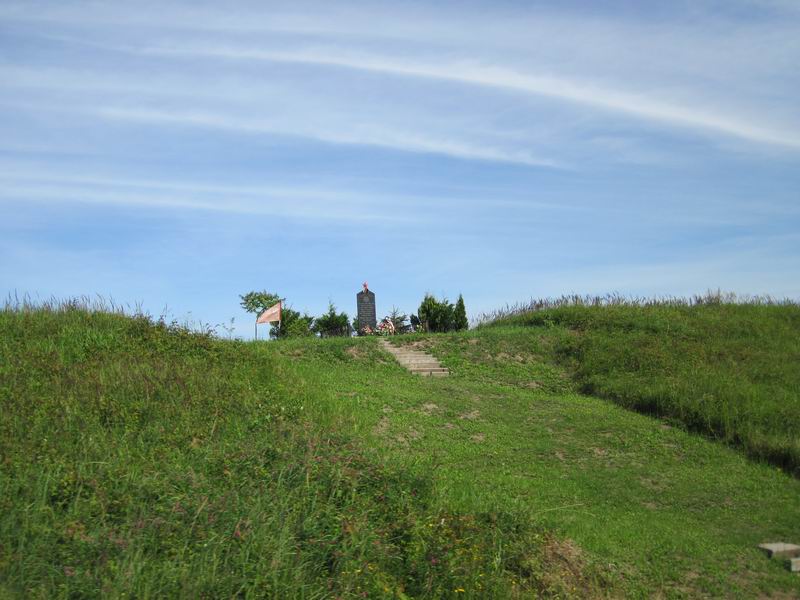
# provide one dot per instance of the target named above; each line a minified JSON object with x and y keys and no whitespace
{"x":273,"y":313}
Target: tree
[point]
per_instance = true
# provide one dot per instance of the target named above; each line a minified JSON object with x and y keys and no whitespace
{"x":398,"y":319}
{"x":435,"y":315}
{"x":296,"y":326}
{"x":258,"y":302}
{"x":292,"y":324}
{"x":460,"y":321}
{"x":332,"y":323}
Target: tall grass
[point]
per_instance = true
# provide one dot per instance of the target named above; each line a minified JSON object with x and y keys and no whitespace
{"x":139,"y":458}
{"x":722,"y":365}
{"x":508,"y":312}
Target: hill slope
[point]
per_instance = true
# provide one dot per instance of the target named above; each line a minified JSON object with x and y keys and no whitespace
{"x":728,"y":370}
{"x":139,"y":458}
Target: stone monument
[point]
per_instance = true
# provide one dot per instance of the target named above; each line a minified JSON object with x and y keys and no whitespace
{"x":365,"y":308}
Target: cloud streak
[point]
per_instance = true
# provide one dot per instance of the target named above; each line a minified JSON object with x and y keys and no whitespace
{"x":25,"y":183}
{"x":295,"y":203}
{"x":371,"y":136}
{"x":473,"y":73}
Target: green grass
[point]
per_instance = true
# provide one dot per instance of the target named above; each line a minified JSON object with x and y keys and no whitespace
{"x":727,"y":370}
{"x":147,"y":461}
{"x":655,"y":508}
{"x":139,"y":459}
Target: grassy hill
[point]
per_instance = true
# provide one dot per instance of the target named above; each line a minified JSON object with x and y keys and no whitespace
{"x":729,"y":370}
{"x":138,"y":458}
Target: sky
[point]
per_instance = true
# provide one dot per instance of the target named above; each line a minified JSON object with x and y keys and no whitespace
{"x":174,"y":155}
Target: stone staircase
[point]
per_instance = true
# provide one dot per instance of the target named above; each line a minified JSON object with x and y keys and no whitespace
{"x":419,"y":363}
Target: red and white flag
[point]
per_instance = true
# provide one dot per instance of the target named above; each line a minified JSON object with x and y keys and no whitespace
{"x":272,"y":314}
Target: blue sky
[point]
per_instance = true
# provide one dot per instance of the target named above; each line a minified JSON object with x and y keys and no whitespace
{"x":178,"y":154}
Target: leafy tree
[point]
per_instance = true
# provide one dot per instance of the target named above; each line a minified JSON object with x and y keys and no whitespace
{"x":436,"y":316}
{"x":258,"y":302}
{"x":460,"y":321}
{"x":332,"y":323}
{"x":426,"y":311}
{"x":298,"y":326}
{"x":292,"y":323}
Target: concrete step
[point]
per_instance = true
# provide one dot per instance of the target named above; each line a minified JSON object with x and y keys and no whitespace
{"x":428,"y":359}
{"x":418,"y":363}
{"x":781,"y":550}
{"x":417,"y":360}
{"x":420,"y":357}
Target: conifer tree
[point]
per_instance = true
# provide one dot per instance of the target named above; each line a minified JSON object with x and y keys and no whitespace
{"x":460,"y":315}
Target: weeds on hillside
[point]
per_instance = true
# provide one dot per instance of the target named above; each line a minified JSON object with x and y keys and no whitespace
{"x":14,"y":303}
{"x":722,"y":365}
{"x":140,"y":458}
{"x":712,"y":298}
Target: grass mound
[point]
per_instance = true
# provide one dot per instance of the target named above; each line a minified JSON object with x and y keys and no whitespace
{"x":138,"y":458}
{"x":724,"y":368}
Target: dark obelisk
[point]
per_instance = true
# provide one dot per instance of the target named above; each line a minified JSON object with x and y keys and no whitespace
{"x":365,"y":305}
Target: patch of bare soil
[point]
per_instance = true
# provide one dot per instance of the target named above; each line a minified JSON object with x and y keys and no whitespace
{"x":478,"y":437}
{"x":428,"y":408}
{"x":506,"y":357}
{"x":355,"y":352}
{"x":657,"y":485}
{"x":566,"y":570}
{"x":419,"y":345}
{"x":382,"y":428}
{"x":470,"y":416}
{"x":401,"y":440}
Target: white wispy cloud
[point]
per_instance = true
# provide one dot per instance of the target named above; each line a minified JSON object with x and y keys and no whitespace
{"x":295,"y":203}
{"x":474,"y":73}
{"x":568,"y":78}
{"x":22,"y":182}
{"x":368,"y":136}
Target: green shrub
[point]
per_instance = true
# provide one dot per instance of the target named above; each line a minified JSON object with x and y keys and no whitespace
{"x":436,"y":316}
{"x":332,"y":324}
